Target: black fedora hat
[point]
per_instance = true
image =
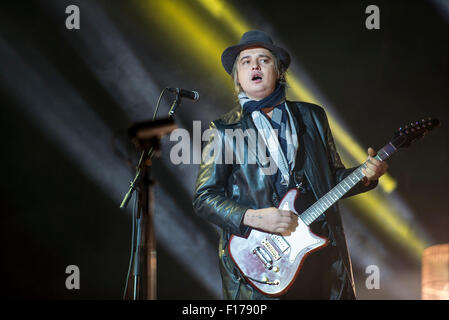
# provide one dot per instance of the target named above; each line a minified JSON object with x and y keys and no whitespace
{"x":250,"y":39}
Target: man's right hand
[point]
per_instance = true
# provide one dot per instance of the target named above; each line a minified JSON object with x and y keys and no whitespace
{"x":271,"y":220}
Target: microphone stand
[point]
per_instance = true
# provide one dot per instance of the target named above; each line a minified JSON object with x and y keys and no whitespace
{"x":146,"y":136}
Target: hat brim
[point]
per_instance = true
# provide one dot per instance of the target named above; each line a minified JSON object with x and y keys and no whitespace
{"x":230,"y":54}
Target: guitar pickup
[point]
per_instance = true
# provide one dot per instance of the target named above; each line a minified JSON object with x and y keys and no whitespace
{"x":263,"y":255}
{"x":270,"y":248}
{"x":280,"y":242}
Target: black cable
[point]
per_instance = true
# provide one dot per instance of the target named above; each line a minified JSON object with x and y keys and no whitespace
{"x":132,"y":246}
{"x":158,"y":101}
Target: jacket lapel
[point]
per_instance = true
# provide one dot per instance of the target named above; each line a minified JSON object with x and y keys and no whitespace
{"x":306,"y":149}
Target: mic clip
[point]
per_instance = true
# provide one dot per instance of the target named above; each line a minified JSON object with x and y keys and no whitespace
{"x":175,"y":104}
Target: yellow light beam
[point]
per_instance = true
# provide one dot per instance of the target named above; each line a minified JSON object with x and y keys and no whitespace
{"x":387,"y":183}
{"x":180,"y":20}
{"x":378,"y":211}
{"x":221,"y":11}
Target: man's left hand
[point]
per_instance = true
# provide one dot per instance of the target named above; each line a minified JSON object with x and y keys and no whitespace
{"x":374,"y":168}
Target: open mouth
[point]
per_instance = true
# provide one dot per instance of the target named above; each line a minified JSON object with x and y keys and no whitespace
{"x":256,"y":78}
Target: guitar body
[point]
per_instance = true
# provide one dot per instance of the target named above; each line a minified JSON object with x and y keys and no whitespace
{"x":271,"y":262}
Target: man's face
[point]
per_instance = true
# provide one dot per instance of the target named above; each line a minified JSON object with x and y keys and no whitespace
{"x":256,"y":73}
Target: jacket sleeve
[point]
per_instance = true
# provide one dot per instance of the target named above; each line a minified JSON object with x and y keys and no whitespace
{"x":211,"y":199}
{"x":338,"y":169}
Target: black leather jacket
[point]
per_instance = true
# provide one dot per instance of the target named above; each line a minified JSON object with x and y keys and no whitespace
{"x":224,"y":192}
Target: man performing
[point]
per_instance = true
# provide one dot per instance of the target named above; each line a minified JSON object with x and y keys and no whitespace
{"x":240,"y":196}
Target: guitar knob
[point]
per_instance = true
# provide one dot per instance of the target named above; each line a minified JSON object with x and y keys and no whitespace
{"x":275,"y":269}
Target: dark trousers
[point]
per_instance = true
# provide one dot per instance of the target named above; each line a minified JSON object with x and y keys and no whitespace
{"x":314,"y":281}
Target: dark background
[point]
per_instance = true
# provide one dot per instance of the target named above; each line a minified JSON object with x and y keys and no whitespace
{"x":68,"y":96}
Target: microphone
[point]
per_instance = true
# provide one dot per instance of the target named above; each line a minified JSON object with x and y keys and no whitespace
{"x":192,"y":95}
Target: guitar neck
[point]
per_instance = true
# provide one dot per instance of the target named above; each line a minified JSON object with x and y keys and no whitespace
{"x":336,"y":193}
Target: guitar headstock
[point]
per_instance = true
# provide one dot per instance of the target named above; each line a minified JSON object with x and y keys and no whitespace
{"x":413,"y":131}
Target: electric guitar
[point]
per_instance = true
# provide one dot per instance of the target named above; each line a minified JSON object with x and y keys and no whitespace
{"x":270,"y":261}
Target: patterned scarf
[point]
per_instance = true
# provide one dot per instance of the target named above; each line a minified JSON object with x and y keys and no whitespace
{"x":278,"y":132}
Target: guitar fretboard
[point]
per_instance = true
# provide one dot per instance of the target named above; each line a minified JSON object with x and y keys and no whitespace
{"x":336,"y":193}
